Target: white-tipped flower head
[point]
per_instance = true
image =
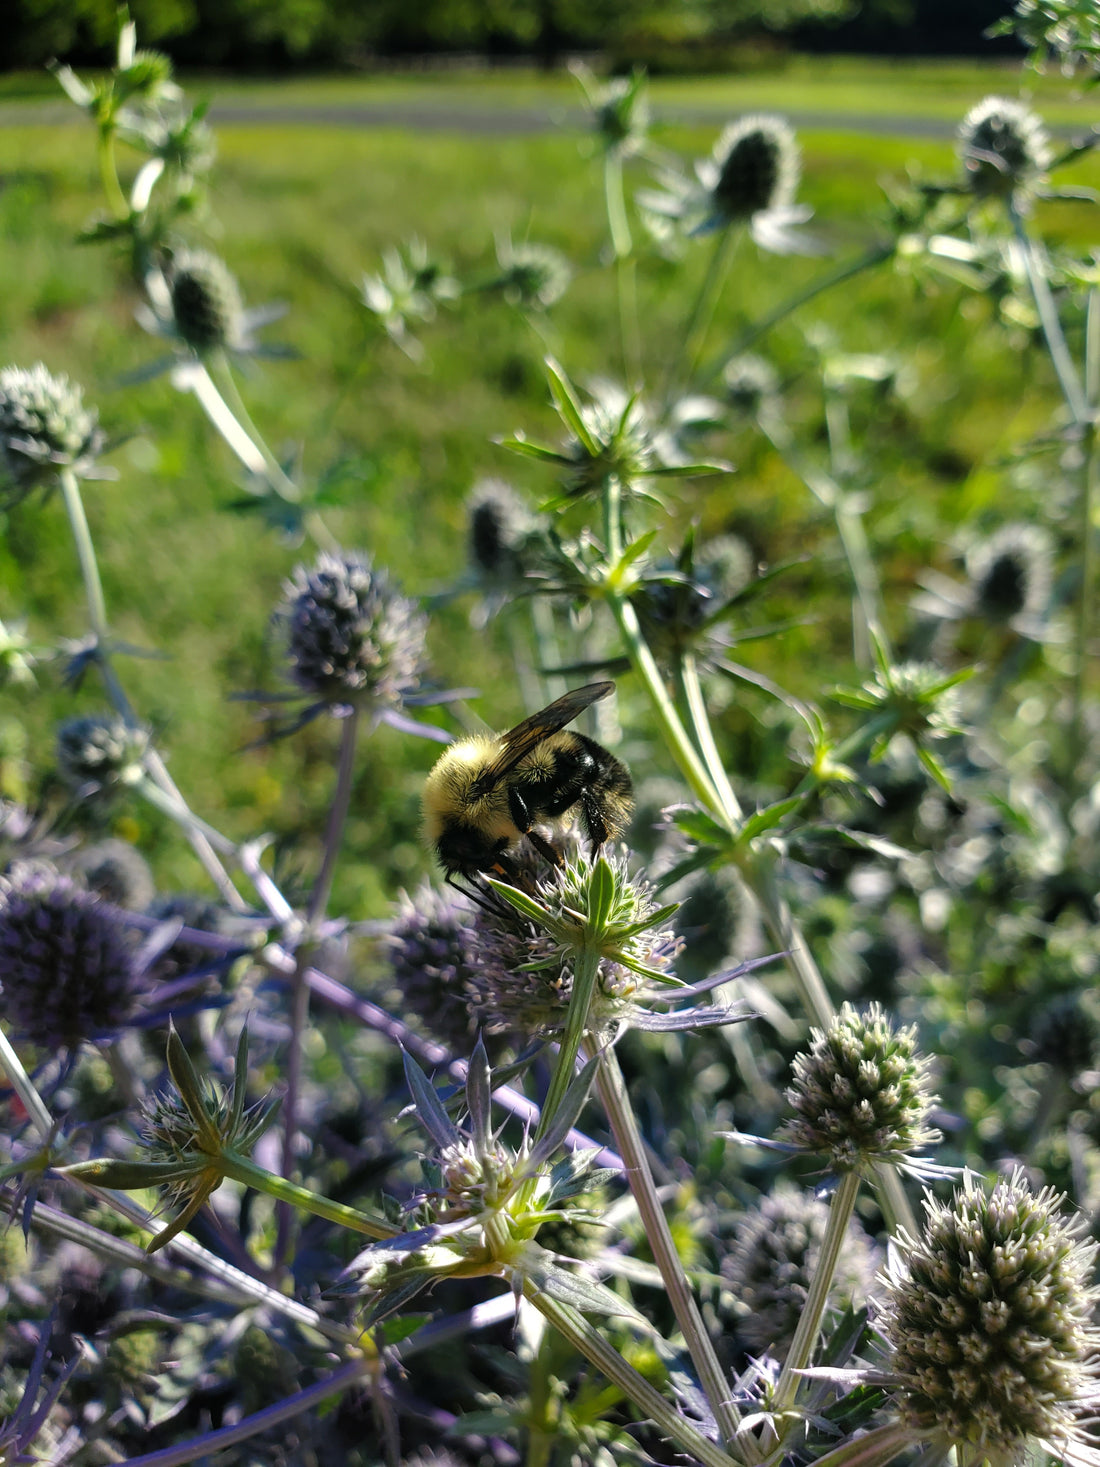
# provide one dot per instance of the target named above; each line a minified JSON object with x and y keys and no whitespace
{"x":206,"y":302}
{"x":351,"y":636}
{"x":500,"y":531}
{"x":771,"y":1263}
{"x":1004,"y":149}
{"x":990,"y":1318}
{"x":861,"y":1092}
{"x":532,"y":275}
{"x":1011,"y":573}
{"x":750,"y":383}
{"x":44,"y":426}
{"x":99,"y":753}
{"x":754,"y":169}
{"x":116,"y":872}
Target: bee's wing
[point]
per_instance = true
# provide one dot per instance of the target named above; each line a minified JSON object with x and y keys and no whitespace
{"x":522,"y":739}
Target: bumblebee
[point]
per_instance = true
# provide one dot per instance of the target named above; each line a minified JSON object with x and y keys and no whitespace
{"x":487,"y":793}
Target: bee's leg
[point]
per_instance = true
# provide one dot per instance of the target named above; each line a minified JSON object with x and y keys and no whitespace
{"x":592,"y":818}
{"x":544,"y":848}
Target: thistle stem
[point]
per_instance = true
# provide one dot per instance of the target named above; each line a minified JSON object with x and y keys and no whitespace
{"x":24,"y":1087}
{"x":337,"y":818}
{"x":108,"y":172}
{"x":588,"y":1342}
{"x":240,"y":1169}
{"x":1085,"y":599}
{"x":85,"y":552}
{"x":622,"y":246}
{"x":809,"y":1321}
{"x":585,"y":972}
{"x":1053,"y":334}
{"x":703,"y":311}
{"x":704,"y":735}
{"x":628,"y":1139}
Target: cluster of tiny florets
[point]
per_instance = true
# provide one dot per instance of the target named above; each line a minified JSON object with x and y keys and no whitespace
{"x":533,"y":275}
{"x":989,"y":1315}
{"x":44,"y":426}
{"x":1003,"y":147}
{"x":1011,"y":573}
{"x":100,"y":751}
{"x":351,"y":636}
{"x":206,"y":302}
{"x":768,"y":1270}
{"x":523,"y":978}
{"x":475,"y":1178}
{"x":861,"y":1092}
{"x":755,"y":168}
{"x":434,"y":953}
{"x":622,"y":433}
{"x":67,"y":965}
{"x":750,"y":383}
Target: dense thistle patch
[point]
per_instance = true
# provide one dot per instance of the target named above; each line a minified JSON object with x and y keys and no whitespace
{"x":755,"y":168}
{"x":989,"y":1316}
{"x":434,"y":950}
{"x":206,"y":302}
{"x":68,"y":966}
{"x":1011,"y":573}
{"x":861,"y":1092}
{"x":351,"y":636}
{"x":771,"y":1263}
{"x":44,"y":426}
{"x":1004,"y":149}
{"x":99,"y":752}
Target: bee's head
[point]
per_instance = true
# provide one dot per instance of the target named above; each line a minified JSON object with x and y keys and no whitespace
{"x":463,"y":849}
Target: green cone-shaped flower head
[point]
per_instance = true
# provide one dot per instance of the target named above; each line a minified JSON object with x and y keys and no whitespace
{"x":990,"y":1317}
{"x":861,"y":1092}
{"x":206,"y":302}
{"x":44,"y":426}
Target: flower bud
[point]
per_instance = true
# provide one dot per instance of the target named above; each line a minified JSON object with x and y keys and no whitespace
{"x":206,"y":302}
{"x":861,"y":1092}
{"x":756,"y":168}
{"x":1004,"y":148}
{"x":44,"y":426}
{"x":98,"y":753}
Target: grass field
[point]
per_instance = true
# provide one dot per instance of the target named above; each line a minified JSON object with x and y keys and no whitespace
{"x":300,"y":212}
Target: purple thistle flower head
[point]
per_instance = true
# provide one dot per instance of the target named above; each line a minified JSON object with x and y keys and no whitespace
{"x":70,"y":969}
{"x":353,"y":639}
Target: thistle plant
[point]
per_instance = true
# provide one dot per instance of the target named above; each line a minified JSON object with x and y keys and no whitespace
{"x":874,"y":845}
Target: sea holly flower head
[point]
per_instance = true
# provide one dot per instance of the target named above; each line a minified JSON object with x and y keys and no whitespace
{"x":750,"y":179}
{"x":1011,"y":573}
{"x":207,"y":311}
{"x":70,"y":969}
{"x":534,"y":276}
{"x":434,"y":950}
{"x":1004,"y":150}
{"x":524,"y":980}
{"x":989,"y":1315}
{"x":619,"y":109}
{"x":750,"y":384}
{"x":861,"y":1093}
{"x":410,"y":288}
{"x":771,"y":1262}
{"x":100,"y":753}
{"x":44,"y":427}
{"x":352,"y":638}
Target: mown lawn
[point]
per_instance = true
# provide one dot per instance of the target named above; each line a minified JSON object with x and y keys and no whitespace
{"x":300,"y":212}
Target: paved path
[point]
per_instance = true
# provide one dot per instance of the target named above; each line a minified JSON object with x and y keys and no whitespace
{"x":503,"y":120}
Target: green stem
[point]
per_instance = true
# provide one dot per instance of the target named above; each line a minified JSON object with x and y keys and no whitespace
{"x":1085,"y":602}
{"x":541,"y":1431}
{"x":240,"y":1169}
{"x":588,"y":1342}
{"x":586,"y":971}
{"x":704,"y":734}
{"x":172,"y":804}
{"x":752,"y":334}
{"x":625,"y":274}
{"x":108,"y":173}
{"x":809,"y":1321}
{"x":82,"y":539}
{"x":1055,"y":339}
{"x":276,"y":476}
{"x":857,"y":552}
{"x":703,"y":311}
{"x":628,"y":1138}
